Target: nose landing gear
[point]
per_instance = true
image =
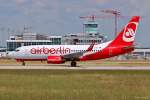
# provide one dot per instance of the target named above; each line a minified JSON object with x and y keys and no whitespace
{"x":23,"y":63}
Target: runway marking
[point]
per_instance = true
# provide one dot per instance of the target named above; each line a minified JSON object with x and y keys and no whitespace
{"x":78,"y":68}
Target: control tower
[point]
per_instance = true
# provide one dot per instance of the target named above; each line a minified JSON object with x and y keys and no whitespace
{"x":90,"y":26}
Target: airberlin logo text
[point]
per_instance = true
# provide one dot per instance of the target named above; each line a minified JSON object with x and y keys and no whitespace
{"x":44,"y":50}
{"x":129,"y":32}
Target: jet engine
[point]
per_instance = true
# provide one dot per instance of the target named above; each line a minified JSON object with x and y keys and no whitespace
{"x":55,"y":60}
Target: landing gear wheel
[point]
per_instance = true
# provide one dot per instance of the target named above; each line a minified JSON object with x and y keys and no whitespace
{"x":23,"y":63}
{"x":73,"y":64}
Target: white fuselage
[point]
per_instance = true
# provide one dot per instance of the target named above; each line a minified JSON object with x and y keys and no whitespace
{"x":43,"y":51}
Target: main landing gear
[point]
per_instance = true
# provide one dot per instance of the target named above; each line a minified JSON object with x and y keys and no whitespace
{"x":73,"y":64}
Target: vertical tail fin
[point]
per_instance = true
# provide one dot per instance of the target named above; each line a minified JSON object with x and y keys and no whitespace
{"x":127,"y":35}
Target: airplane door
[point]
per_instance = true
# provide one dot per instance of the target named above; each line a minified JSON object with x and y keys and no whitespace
{"x":111,"y":51}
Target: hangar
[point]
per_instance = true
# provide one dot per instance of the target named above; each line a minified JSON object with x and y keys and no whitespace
{"x":141,"y":53}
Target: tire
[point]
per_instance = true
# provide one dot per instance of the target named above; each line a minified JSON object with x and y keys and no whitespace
{"x":73,"y":64}
{"x":23,"y":63}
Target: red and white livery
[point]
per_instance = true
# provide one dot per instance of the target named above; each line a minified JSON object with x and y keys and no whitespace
{"x":58,"y":54}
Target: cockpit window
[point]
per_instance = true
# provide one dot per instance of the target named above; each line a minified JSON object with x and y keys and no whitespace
{"x":17,"y":50}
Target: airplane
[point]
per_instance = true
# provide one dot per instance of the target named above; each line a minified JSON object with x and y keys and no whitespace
{"x":58,"y":54}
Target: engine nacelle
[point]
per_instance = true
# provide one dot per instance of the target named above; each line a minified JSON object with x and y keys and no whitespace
{"x":55,"y":60}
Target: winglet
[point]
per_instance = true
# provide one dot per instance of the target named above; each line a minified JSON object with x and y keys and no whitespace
{"x":91,"y":47}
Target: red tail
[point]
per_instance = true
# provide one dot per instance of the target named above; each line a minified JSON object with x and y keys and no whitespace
{"x":127,"y":35}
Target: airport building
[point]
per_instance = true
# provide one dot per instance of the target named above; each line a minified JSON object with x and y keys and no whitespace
{"x":141,"y":53}
{"x":82,"y":39}
{"x":36,"y":39}
{"x":27,"y":39}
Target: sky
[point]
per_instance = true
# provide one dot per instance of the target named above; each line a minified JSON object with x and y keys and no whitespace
{"x":62,"y":17}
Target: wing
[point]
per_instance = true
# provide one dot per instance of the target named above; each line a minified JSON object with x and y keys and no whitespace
{"x":77,"y":55}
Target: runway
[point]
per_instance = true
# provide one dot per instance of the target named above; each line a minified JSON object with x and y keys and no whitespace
{"x":55,"y":67}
